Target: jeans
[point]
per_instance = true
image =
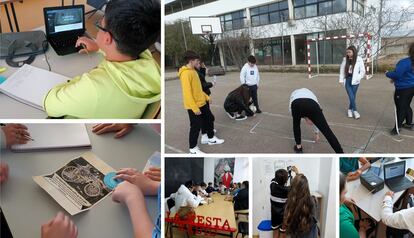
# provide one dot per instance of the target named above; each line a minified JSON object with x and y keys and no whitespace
{"x":351,"y":90}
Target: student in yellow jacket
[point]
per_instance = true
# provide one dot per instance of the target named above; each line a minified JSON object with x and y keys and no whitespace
{"x":128,"y":79}
{"x":196,"y":103}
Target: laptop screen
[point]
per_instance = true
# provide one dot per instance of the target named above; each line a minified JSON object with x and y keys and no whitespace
{"x":394,"y":170}
{"x":66,"y":19}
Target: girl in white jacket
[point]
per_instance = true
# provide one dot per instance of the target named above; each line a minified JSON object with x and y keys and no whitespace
{"x":350,"y":75}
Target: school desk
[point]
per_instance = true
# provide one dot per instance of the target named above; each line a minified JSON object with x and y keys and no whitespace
{"x":69,"y":65}
{"x":27,"y":206}
{"x":372,"y":203}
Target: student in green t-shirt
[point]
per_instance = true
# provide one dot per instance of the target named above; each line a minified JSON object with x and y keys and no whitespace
{"x":347,"y":228}
{"x":350,"y":167}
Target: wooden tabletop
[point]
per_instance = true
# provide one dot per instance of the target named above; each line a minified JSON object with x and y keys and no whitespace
{"x":219,"y":208}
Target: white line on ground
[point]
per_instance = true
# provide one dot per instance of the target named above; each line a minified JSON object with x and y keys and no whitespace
{"x":174,"y":149}
{"x":252,"y":130}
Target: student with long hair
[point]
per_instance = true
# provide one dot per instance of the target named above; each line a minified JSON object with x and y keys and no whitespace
{"x":403,"y":79}
{"x":300,"y":210}
{"x":347,"y":227}
{"x":351,"y":72}
{"x":237,"y":101}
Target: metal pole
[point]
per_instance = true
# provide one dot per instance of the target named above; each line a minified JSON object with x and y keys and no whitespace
{"x":317,"y":56}
{"x":283,"y":45}
{"x":185,"y":40}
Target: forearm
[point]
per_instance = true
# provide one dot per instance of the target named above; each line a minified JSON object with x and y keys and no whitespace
{"x":141,"y":221}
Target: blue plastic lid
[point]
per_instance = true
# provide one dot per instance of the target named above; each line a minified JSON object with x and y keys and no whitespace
{"x":110,"y":181}
{"x":265,"y":225}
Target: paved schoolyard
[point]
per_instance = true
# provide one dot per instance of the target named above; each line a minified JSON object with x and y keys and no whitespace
{"x":271,"y":131}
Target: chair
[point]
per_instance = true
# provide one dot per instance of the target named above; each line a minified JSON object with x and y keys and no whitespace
{"x":242,"y":226}
{"x":152,"y":111}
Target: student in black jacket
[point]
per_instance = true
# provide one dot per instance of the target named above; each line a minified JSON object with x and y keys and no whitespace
{"x":238,"y":101}
{"x":241,"y":200}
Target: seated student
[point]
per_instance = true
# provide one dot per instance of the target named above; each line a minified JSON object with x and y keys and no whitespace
{"x":241,"y":200}
{"x":238,"y":101}
{"x":184,"y":197}
{"x":236,"y":189}
{"x":304,"y":104}
{"x":350,"y":167}
{"x":203,"y":192}
{"x":278,"y":197}
{"x":131,"y":192}
{"x":128,"y":79}
{"x":400,"y":221}
{"x":210,"y":188}
{"x":347,"y":227}
{"x":300,"y":210}
{"x":221,"y":188}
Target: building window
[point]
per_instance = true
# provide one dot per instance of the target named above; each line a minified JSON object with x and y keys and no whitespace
{"x":358,"y":7}
{"x":273,"y":52}
{"x":268,"y":14}
{"x":313,"y":8}
{"x":233,"y":20}
{"x":181,"y":5}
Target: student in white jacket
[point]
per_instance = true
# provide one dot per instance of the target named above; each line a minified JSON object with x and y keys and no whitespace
{"x":351,"y":72}
{"x":403,"y":219}
{"x":249,"y":75}
{"x":184,"y":197}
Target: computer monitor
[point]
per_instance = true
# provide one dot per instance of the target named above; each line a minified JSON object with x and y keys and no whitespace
{"x":394,"y":170}
{"x":64,"y":19}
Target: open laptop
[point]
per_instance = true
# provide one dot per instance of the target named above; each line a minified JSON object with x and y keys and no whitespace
{"x":64,"y":25}
{"x":394,"y":176}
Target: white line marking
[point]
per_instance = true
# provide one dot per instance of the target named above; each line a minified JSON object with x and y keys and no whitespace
{"x":252,"y":130}
{"x":174,"y":149}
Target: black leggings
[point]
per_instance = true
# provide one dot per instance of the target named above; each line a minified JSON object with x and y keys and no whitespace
{"x":205,"y":120}
{"x":204,"y":128}
{"x":402,"y":100}
{"x":305,"y":107}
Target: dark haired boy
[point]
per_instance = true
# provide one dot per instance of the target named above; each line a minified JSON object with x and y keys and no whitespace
{"x":249,"y":75}
{"x":128,"y":79}
{"x":196,"y":103}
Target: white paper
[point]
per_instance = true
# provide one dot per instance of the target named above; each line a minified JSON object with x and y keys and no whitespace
{"x":55,"y":136}
{"x":30,"y":85}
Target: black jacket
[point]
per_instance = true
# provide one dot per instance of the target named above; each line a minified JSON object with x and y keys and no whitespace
{"x":241,"y":200}
{"x":234,"y":103}
{"x":204,"y":84}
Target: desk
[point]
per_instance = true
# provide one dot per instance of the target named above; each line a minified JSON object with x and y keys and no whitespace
{"x":69,"y":65}
{"x":27,"y":206}
{"x":16,"y":23}
{"x":372,"y":203}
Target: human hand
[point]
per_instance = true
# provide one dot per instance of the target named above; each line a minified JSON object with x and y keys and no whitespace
{"x":390,"y":193}
{"x":317,"y":137}
{"x":15,"y":134}
{"x":60,"y":226}
{"x":197,"y":113}
{"x":126,"y":193}
{"x":154,"y":173}
{"x":295,"y":169}
{"x":89,"y":44}
{"x":120,"y":129}
{"x":147,"y":185}
{"x":4,"y":172}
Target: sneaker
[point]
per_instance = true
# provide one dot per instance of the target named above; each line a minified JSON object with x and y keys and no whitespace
{"x":204,"y":139}
{"x":196,"y":150}
{"x":356,"y":115}
{"x":231,"y":115}
{"x":408,"y":126}
{"x":258,"y":110}
{"x":298,"y":150}
{"x":394,"y":132}
{"x":350,"y":113}
{"x":241,"y":118}
{"x":215,"y":141}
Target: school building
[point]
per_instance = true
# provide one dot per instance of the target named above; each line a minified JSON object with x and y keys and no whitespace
{"x":278,"y":29}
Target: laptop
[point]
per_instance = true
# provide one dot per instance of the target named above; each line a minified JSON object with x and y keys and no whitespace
{"x":64,"y":25}
{"x":394,"y":176}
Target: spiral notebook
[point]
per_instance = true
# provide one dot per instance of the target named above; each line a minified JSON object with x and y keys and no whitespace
{"x":55,"y":136}
{"x":30,"y":85}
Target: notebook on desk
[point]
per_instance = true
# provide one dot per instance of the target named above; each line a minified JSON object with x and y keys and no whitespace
{"x":30,"y":84}
{"x":55,"y":136}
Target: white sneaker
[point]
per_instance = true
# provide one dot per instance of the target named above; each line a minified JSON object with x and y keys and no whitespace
{"x":196,"y":150}
{"x":204,"y":139}
{"x":215,"y":141}
{"x":231,"y":115}
{"x":350,"y":113}
{"x":356,"y":115}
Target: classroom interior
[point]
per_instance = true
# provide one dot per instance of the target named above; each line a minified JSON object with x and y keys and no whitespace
{"x":26,"y":203}
{"x":217,"y":205}
{"x":321,"y":175}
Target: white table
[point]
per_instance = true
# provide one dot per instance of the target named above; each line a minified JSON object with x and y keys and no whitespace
{"x":27,"y":206}
{"x":372,"y":203}
{"x":69,"y":65}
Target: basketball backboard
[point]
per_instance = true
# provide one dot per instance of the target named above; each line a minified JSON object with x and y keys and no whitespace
{"x":205,"y":25}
